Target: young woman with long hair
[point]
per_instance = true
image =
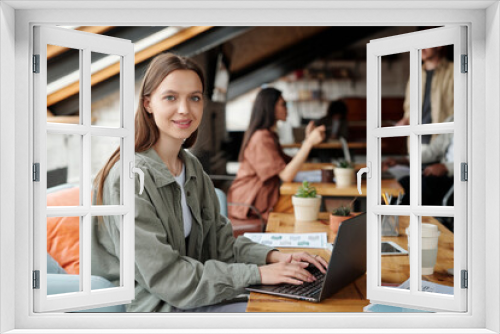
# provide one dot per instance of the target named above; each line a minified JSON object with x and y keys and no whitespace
{"x":263,"y":165}
{"x":186,"y":258}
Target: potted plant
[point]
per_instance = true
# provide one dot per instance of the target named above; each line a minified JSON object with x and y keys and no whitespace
{"x":344,"y":174}
{"x":339,"y":215}
{"x":306,"y":202}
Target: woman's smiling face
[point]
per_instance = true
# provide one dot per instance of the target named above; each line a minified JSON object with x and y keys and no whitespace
{"x":177,"y":104}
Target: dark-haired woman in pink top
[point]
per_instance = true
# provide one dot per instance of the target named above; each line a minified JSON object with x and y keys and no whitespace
{"x":263,"y":164}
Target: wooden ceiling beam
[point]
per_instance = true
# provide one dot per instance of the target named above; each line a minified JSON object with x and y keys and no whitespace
{"x":140,"y":56}
{"x":54,"y":50}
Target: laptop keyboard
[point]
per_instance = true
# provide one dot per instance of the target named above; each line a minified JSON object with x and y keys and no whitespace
{"x":307,"y":289}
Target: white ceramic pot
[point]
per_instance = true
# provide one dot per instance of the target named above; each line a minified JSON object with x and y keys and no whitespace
{"x":306,"y":208}
{"x":344,"y":177}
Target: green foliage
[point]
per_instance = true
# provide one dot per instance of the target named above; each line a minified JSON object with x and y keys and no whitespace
{"x":344,"y":164}
{"x":306,"y":191}
{"x":342,"y":210}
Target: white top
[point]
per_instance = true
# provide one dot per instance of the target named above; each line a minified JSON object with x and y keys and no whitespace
{"x":186,"y":213}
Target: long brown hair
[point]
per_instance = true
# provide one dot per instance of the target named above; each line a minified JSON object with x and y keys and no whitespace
{"x":262,"y":116}
{"x":146,"y":130}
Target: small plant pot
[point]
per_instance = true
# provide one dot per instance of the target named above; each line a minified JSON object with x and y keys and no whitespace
{"x":306,"y":208}
{"x":344,"y":177}
{"x":335,"y":221}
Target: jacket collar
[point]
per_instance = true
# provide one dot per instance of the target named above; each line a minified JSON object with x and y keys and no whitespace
{"x":159,"y":171}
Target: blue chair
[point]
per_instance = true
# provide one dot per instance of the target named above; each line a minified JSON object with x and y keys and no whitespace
{"x":222,"y":201}
{"x":59,"y":282}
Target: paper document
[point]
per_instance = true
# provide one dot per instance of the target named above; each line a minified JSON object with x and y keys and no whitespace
{"x":290,"y":240}
{"x":429,"y":287}
{"x":399,"y":171}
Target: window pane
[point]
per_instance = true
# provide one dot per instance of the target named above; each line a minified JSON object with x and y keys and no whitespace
{"x":395,"y":73}
{"x":102,"y":149}
{"x":63,"y":85}
{"x":106,"y":252}
{"x":106,"y":93}
{"x":437,"y":170}
{"x":437,"y":86}
{"x":395,"y":171}
{"x":395,"y":264}
{"x":63,"y":255}
{"x":63,"y":166}
{"x":437,"y":255}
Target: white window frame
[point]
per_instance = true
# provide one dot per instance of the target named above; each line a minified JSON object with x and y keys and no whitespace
{"x":86,"y":43}
{"x":483,"y":20}
{"x":413,"y":43}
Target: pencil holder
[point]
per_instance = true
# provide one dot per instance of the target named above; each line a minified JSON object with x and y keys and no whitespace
{"x":390,"y":226}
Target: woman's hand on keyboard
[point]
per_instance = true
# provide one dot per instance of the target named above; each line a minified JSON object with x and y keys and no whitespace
{"x":285,"y":272}
{"x":301,"y":257}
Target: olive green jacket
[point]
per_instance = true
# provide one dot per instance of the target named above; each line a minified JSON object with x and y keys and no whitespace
{"x":212,"y":267}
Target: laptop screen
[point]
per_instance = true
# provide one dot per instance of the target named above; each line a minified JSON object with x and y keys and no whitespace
{"x":348,"y":260}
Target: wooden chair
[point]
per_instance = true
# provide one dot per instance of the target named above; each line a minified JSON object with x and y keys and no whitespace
{"x":240,"y":226}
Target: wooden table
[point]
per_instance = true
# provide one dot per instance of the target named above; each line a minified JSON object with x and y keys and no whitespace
{"x":321,"y":165}
{"x":328,"y":145}
{"x":352,"y":298}
{"x":390,"y":186}
{"x":287,"y":189}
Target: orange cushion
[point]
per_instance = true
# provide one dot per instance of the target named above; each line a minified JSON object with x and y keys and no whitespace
{"x":63,"y":233}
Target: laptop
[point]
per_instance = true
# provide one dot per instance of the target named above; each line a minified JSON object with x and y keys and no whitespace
{"x":345,"y":149}
{"x":347,"y":263}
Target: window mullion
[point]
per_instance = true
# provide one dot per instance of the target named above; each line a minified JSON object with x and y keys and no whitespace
{"x":85,"y":250}
{"x":128,"y":230}
{"x":387,"y":132}
{"x":96,"y":210}
{"x":392,"y":210}
{"x":372,"y":151}
{"x":77,"y":129}
{"x":434,"y":128}
{"x":415,"y":93}
{"x":85,"y":102}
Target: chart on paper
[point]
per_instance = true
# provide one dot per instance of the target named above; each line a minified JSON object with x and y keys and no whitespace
{"x":290,"y":240}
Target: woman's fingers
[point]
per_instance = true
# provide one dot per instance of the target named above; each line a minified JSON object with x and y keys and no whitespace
{"x":316,"y":260}
{"x":297,"y":272}
{"x":293,"y":281}
{"x":293,"y":272}
{"x":322,"y":262}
